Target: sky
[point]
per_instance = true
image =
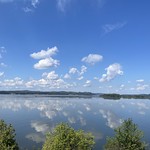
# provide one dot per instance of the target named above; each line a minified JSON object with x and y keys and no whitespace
{"x":100,"y":46}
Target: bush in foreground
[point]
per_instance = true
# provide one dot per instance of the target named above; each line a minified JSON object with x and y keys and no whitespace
{"x":66,"y":138}
{"x":7,"y":137}
{"x":127,"y":137}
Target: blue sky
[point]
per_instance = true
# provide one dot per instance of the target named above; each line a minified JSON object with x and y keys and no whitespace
{"x":75,"y":45}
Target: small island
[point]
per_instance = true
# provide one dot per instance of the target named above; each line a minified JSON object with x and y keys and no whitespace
{"x":125,"y":96}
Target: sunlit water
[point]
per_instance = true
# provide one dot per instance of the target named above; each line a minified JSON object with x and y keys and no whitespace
{"x":33,"y":116}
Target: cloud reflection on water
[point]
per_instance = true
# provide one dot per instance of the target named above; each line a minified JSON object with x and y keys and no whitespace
{"x":40,"y":127}
{"x":36,"y":137}
{"x":13,"y":105}
{"x":112,"y":120}
{"x":86,"y":114}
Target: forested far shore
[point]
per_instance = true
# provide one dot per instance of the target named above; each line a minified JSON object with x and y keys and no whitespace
{"x":125,"y":96}
{"x":78,"y":94}
{"x":51,"y":93}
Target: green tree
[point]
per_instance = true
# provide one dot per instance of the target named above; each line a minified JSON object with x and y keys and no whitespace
{"x":7,"y":137}
{"x":65,"y":137}
{"x":127,"y":137}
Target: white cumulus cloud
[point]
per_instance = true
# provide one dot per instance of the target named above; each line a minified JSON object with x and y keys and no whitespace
{"x":92,"y":59}
{"x":73,"y":70}
{"x":80,"y":78}
{"x":67,"y":76}
{"x":46,"y":59}
{"x":16,"y":82}
{"x":111,"y":72}
{"x":83,"y":70}
{"x":46,"y":63}
{"x":49,"y":80}
{"x":51,"y":75}
{"x":45,"y":53}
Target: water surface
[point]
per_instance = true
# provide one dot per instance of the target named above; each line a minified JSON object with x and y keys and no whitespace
{"x":33,"y":116}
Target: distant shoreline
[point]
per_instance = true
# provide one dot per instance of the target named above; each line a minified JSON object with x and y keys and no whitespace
{"x":50,"y":94}
{"x":71,"y":94}
{"x":125,"y":96}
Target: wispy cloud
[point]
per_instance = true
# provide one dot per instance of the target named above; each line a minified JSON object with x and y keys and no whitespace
{"x":28,"y":5}
{"x":2,"y":49}
{"x":87,"y":83}
{"x":140,"y":80}
{"x":27,"y":9}
{"x":62,"y":4}
{"x":142,"y":87}
{"x":111,"y":27}
{"x":3,"y":64}
{"x":34,"y":3}
{"x":1,"y":74}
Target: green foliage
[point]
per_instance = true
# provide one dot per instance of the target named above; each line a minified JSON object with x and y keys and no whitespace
{"x":114,"y":96}
{"x":111,"y":96}
{"x":66,"y":138}
{"x":7,"y":137}
{"x":128,"y":137}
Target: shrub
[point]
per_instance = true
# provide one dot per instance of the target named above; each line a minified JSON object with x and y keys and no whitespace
{"x":127,"y":137}
{"x":7,"y":137}
{"x":66,"y":138}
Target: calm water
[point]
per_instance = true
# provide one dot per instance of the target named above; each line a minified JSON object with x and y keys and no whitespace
{"x":33,"y":116}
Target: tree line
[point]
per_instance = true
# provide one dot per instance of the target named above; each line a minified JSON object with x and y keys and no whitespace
{"x":125,"y":96}
{"x":73,"y":94}
{"x":64,"y":137}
